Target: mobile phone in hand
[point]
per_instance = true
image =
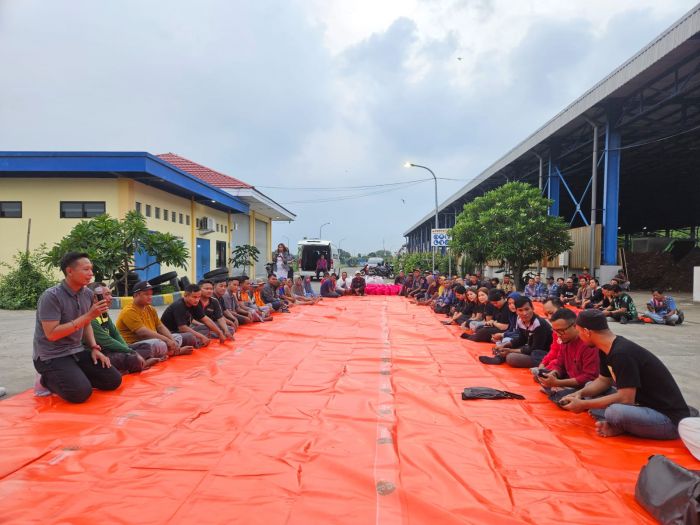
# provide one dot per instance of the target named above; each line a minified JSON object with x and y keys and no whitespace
{"x":100,"y":297}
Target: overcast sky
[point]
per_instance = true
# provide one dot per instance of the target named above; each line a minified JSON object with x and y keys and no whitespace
{"x":312,"y":94}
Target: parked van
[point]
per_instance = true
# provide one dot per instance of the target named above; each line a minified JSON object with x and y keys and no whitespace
{"x":310,"y":250}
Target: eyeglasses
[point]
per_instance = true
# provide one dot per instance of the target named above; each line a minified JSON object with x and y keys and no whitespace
{"x":563,"y":330}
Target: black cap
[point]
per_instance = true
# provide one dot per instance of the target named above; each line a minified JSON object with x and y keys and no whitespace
{"x":593,"y":320}
{"x":141,"y":286}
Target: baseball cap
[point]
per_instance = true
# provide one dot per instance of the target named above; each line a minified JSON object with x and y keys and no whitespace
{"x":141,"y":286}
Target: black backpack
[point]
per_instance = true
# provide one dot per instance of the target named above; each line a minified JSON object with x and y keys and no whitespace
{"x":484,"y":392}
{"x":669,"y":492}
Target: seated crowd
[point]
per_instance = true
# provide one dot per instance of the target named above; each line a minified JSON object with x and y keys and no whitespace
{"x":570,"y":350}
{"x":78,"y":347}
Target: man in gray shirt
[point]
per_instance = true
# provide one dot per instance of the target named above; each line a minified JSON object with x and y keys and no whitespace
{"x":63,"y":317}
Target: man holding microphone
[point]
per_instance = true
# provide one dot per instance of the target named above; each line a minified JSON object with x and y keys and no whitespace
{"x":63,"y":316}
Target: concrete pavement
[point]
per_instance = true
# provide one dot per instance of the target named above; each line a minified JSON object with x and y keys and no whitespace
{"x":677,"y":347}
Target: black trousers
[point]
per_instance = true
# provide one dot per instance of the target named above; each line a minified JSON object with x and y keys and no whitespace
{"x":73,"y":377}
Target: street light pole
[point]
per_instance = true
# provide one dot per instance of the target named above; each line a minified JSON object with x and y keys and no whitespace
{"x":437,"y":224}
{"x":320,"y":230}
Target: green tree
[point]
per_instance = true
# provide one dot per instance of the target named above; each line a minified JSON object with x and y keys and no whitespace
{"x":244,"y":255}
{"x":22,"y":285}
{"x":510,"y":224}
{"x":111,"y":245}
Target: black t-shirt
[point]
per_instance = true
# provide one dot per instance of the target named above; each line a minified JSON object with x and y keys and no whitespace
{"x":568,"y":293}
{"x":481,"y":308}
{"x":500,"y":315}
{"x":213,"y":310}
{"x":597,"y":296}
{"x":179,"y":313}
{"x":632,"y":366}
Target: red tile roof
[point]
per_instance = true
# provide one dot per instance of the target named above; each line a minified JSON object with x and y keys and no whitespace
{"x":208,"y":175}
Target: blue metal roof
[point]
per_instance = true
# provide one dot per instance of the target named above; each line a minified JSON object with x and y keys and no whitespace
{"x":140,"y":165}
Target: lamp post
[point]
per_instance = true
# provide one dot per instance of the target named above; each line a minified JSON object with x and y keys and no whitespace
{"x":320,"y":230}
{"x":437,"y":224}
{"x":339,"y":242}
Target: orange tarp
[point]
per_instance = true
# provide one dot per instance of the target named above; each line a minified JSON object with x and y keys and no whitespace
{"x":344,"y":412}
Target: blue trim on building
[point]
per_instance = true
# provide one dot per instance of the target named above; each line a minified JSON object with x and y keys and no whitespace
{"x":158,"y":173}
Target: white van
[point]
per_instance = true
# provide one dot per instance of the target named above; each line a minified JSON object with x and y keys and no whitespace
{"x":310,"y":250}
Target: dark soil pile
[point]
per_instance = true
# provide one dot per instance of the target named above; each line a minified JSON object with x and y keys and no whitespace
{"x":648,"y":270}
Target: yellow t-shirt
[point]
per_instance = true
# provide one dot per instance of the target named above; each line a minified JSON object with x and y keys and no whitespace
{"x":132,"y":318}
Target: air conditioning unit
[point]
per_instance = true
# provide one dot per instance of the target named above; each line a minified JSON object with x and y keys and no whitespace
{"x":207,"y":225}
{"x":564,"y":259}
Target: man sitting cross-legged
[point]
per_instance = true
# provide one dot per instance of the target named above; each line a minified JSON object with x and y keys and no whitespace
{"x":124,"y":358}
{"x":178,"y":318}
{"x":140,"y":327}
{"x":621,"y":307}
{"x":578,"y":362}
{"x":270,"y":296}
{"x":647,"y":403}
{"x":229,"y":302}
{"x":662,"y":308}
{"x":357,"y":286}
{"x":212,"y":309}
{"x":532,"y":342}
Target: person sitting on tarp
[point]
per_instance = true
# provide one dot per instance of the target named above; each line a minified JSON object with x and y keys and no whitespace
{"x":179,"y":315}
{"x":497,"y":317}
{"x":357,"y":286}
{"x":554,"y":288}
{"x":458,"y":307}
{"x":648,"y":402}
{"x":596,"y":295}
{"x":226,"y":292}
{"x":268,"y":294}
{"x":578,"y":362}
{"x":621,"y":307}
{"x":446,"y":299}
{"x":328,"y":287}
{"x":662,"y":308}
{"x":406,"y":285}
{"x":248,"y":298}
{"x":428,"y":287}
{"x":501,"y":338}
{"x":62,"y":333}
{"x":212,"y":309}
{"x":532,"y":343}
{"x":583,"y":294}
{"x":400,"y":279}
{"x":126,"y":358}
{"x":567,"y":293}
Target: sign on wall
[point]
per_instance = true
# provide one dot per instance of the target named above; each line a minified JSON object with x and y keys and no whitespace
{"x":439,"y":237}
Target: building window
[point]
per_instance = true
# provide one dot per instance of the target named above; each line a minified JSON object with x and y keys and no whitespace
{"x":165,"y":215}
{"x":220,"y":254}
{"x":181,"y":221}
{"x":11,"y":209}
{"x":174,"y":216}
{"x":148,"y":210}
{"x":188,"y":219}
{"x":138,"y":207}
{"x":81,"y":210}
{"x":225,"y":229}
{"x":157,"y":212}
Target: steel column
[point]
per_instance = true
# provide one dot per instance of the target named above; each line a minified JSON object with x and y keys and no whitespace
{"x":553,"y":181}
{"x":594,"y":196}
{"x":611,"y":188}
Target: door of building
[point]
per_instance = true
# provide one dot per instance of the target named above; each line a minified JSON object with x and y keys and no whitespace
{"x":142,"y":259}
{"x":203,"y":257}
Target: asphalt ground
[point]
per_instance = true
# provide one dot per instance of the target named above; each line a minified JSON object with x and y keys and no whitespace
{"x":676,"y":346}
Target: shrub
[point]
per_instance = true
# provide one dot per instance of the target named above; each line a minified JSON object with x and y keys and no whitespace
{"x":21,"y":287}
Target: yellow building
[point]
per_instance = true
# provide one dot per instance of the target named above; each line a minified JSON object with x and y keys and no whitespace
{"x":55,"y":190}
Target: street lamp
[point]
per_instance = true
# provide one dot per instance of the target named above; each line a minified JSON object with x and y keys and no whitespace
{"x":320,"y":230}
{"x":437,"y":224}
{"x":339,"y":242}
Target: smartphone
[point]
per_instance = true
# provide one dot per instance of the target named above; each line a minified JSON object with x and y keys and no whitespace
{"x":542,"y":372}
{"x":101,"y":297}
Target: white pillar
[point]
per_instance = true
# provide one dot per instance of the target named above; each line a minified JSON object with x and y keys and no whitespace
{"x":696,"y":283}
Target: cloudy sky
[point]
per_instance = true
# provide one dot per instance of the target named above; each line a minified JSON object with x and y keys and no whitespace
{"x":315,"y":102}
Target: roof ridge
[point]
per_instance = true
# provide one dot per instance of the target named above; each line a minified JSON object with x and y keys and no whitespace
{"x":205,"y":173}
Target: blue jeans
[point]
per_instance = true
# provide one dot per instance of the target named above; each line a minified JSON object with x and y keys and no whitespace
{"x":642,"y":422}
{"x":659,"y":319}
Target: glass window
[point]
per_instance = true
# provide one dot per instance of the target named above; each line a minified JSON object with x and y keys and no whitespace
{"x":181,"y":221}
{"x":11,"y":209}
{"x":138,"y":207}
{"x":174,"y":216}
{"x":220,"y":254}
{"x":188,"y":219}
{"x":81,"y":210}
{"x":157,"y":212}
{"x":148,"y":210}
{"x":165,"y":215}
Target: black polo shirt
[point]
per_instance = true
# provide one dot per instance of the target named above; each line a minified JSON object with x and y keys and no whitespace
{"x":178,"y":314}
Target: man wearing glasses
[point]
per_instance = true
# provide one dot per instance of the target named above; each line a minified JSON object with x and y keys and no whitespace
{"x":578,"y":362}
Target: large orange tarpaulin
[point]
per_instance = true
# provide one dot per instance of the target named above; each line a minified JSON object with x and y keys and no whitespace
{"x":344,"y":412}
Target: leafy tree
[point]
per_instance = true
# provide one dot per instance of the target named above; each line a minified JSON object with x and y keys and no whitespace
{"x":21,"y":287}
{"x":510,"y":224}
{"x":111,"y":244}
{"x":244,"y":255}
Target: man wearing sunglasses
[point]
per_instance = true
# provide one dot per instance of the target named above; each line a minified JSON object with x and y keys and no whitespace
{"x":578,"y":363}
